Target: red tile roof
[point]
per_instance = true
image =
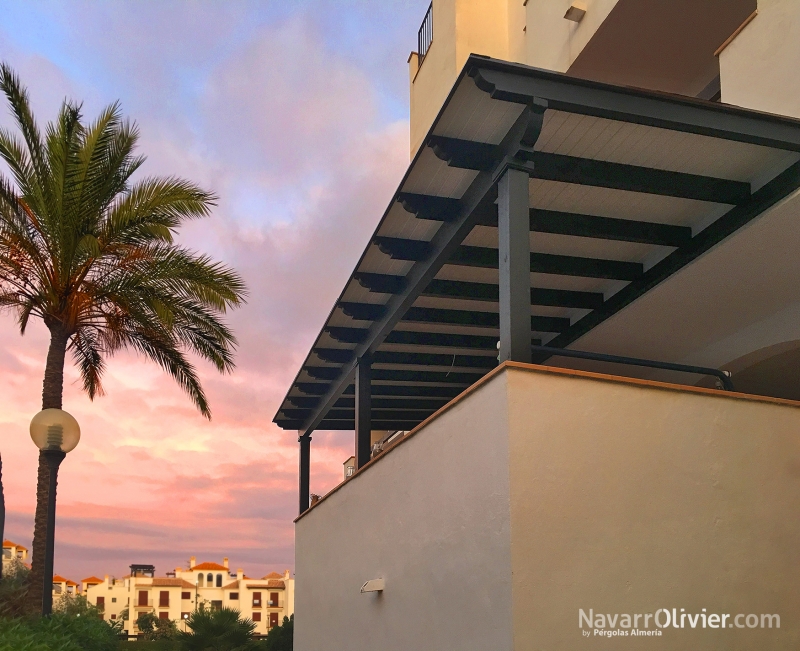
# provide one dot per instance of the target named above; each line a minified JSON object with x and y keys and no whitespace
{"x":209,"y":566}
{"x":273,"y":575}
{"x":60,"y":579}
{"x":8,"y":543}
{"x":93,"y":580}
{"x":165,"y":583}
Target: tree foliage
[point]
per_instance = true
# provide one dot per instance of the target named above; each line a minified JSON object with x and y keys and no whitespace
{"x":92,"y":252}
{"x":217,"y":629}
{"x":280,"y":638}
{"x":155,"y":628}
{"x":13,"y":589}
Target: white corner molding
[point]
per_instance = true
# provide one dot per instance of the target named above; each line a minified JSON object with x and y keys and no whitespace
{"x":374,"y":585}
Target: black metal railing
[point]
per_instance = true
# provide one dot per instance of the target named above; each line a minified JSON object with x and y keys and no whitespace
{"x":425,"y":34}
{"x":547,"y":351}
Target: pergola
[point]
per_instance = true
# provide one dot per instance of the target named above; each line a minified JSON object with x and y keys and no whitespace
{"x":539,"y":206}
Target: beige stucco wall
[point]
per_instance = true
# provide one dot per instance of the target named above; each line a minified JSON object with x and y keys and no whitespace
{"x":552,"y":42}
{"x":430,"y":517}
{"x":758,"y":69}
{"x":627,"y":498}
{"x":535,"y":33}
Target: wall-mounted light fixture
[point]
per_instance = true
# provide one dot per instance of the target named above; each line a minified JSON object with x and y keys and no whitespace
{"x":375,"y":585}
{"x":576,"y":12}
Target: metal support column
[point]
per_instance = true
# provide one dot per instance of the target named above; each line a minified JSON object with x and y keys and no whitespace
{"x":363,"y":410}
{"x":515,"y":267}
{"x":305,"y":470}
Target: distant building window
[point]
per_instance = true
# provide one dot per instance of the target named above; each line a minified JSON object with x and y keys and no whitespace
{"x":20,"y":553}
{"x":163,"y":599}
{"x":113,"y":600}
{"x":6,"y":553}
{"x":101,"y":602}
{"x":256,"y":617}
{"x":216,"y":605}
{"x":186,"y":595}
{"x":257,"y":600}
{"x":210,"y":579}
{"x":273,"y":599}
{"x":273,"y":619}
{"x":234,"y":595}
{"x":57,"y":588}
{"x":163,"y":615}
{"x":184,"y":615}
{"x":142,"y":597}
{"x":219,"y":580}
{"x":113,"y":616}
{"x":200,"y":580}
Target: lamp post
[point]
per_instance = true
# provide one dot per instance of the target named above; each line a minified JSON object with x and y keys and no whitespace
{"x":55,"y":432}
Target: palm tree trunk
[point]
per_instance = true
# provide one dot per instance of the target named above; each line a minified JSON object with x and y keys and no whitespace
{"x":52,"y":392}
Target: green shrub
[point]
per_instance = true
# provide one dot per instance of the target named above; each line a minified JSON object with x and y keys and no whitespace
{"x":13,"y":588}
{"x":218,"y":629}
{"x":280,"y":638}
{"x":155,"y":628}
{"x":57,"y":633}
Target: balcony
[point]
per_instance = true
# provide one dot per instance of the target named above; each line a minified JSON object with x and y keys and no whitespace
{"x":569,"y":490}
{"x":425,"y":34}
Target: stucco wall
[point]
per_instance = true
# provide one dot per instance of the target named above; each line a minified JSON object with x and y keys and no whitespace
{"x":758,"y":69}
{"x":627,"y":498}
{"x":431,"y":517}
{"x":554,"y":43}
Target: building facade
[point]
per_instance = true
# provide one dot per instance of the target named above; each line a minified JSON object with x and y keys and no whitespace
{"x":266,"y":601}
{"x":13,"y":552}
{"x":581,"y":306}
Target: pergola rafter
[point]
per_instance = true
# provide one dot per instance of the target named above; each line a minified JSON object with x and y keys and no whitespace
{"x":530,"y":216}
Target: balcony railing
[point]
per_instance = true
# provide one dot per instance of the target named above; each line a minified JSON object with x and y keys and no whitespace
{"x":425,"y":34}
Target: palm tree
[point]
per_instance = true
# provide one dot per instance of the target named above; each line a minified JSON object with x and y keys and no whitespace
{"x":91,"y":253}
{"x":217,"y":629}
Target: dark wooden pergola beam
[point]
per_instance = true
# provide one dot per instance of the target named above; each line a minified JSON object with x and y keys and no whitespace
{"x":342,"y":356}
{"x":467,"y":154}
{"x":510,"y":82}
{"x":602,"y":228}
{"x":396,"y":403}
{"x":469,"y":318}
{"x":318,"y":389}
{"x":608,"y":228}
{"x":398,"y":375}
{"x":387,"y":284}
{"x":562,"y":265}
{"x":349,"y":414}
{"x":414,"y":338}
{"x":338,"y":425}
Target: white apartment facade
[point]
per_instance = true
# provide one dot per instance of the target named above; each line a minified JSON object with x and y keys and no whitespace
{"x":266,"y":600}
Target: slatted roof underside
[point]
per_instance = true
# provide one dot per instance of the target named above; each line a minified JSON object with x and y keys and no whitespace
{"x":408,"y":387}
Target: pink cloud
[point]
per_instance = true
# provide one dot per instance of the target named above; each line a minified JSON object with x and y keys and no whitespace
{"x":295,"y":128}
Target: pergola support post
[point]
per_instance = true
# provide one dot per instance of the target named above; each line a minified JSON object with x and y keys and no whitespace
{"x":363,"y":420}
{"x":513,"y":221}
{"x":305,"y":470}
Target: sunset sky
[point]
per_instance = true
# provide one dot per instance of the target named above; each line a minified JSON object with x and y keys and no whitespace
{"x":296,"y":115}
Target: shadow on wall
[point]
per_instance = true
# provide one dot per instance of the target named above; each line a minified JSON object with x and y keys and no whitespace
{"x":770,"y":371}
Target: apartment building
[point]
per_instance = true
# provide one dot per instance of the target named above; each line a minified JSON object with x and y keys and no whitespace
{"x":266,"y":600}
{"x":582,"y":307}
{"x":14,"y":552}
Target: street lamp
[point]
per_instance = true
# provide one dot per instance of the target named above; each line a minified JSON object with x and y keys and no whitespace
{"x":55,"y":432}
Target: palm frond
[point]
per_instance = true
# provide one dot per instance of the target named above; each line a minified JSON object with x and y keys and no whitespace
{"x":91,"y":252}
